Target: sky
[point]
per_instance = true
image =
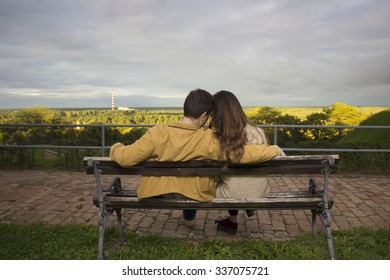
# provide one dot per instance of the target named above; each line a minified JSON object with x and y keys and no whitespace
{"x":152,"y":53}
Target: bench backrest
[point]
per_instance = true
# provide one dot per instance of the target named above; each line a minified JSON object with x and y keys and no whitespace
{"x":313,"y":164}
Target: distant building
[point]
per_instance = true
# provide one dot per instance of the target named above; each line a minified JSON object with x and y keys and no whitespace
{"x":125,"y":109}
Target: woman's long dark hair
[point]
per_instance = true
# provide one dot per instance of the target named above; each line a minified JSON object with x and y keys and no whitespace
{"x":229,"y":121}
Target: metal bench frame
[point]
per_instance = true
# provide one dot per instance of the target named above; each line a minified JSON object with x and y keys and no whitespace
{"x":114,"y":198}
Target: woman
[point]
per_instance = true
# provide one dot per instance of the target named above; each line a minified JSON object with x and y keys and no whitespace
{"x":233,"y":130}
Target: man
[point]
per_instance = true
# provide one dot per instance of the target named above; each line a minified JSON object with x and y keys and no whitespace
{"x":183,"y":141}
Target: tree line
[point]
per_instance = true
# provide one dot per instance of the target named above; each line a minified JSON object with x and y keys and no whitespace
{"x":78,"y":135}
{"x":337,"y":114}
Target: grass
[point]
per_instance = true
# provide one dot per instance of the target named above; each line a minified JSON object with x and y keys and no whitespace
{"x":79,"y":242}
{"x":378,"y":137}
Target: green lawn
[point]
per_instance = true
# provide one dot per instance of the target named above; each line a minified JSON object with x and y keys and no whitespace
{"x":79,"y":242}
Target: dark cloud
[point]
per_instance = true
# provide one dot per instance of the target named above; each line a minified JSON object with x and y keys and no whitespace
{"x":304,"y":52}
{"x":90,"y":101}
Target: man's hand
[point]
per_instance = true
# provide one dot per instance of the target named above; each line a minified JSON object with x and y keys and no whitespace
{"x":282,"y":154}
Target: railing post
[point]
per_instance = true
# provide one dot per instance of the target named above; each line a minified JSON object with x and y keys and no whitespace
{"x":275,"y":135}
{"x":103,"y":140}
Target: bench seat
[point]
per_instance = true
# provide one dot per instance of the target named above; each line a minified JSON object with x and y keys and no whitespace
{"x":287,"y":200}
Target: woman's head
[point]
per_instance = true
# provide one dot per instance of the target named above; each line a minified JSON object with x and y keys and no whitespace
{"x":228,"y":121}
{"x":227,"y":112}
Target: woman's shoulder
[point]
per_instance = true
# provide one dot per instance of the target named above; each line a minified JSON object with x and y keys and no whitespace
{"x":255,"y":135}
{"x":251,"y":128}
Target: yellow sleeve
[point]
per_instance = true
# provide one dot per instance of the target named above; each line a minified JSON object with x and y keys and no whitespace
{"x":127,"y":156}
{"x":259,"y":153}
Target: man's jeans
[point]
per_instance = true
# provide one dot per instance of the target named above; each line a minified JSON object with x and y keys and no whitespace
{"x":188,"y":214}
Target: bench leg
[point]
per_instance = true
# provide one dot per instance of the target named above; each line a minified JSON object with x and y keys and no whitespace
{"x":120,"y":228}
{"x":314,"y":223}
{"x":104,"y":214}
{"x":330,"y":242}
{"x":326,"y":219}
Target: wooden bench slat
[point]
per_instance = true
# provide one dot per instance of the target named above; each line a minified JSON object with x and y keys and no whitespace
{"x":198,"y":163}
{"x":133,"y":193}
{"x":171,"y":203}
{"x":278,"y":165}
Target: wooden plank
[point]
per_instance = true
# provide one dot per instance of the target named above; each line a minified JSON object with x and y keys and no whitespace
{"x":278,"y":165}
{"x":194,"y":163}
{"x":258,"y":204}
{"x":210,"y":171}
{"x":133,"y":193}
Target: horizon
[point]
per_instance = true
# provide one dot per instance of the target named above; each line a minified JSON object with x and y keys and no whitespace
{"x":19,"y":101}
{"x":174,"y":108}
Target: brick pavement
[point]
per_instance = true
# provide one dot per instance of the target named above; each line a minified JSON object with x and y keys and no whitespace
{"x":63,"y":197}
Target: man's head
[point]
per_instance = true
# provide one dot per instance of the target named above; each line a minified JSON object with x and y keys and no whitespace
{"x":197,"y":103}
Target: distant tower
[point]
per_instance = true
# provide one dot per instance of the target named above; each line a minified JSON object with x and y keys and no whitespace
{"x":113,"y":100}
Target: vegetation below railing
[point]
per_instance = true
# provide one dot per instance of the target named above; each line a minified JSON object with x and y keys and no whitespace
{"x":71,"y":159}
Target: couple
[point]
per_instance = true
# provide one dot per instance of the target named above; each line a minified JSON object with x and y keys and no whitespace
{"x":231,"y":138}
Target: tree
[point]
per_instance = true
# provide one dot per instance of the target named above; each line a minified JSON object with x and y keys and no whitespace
{"x":317,"y":133}
{"x":289,"y":135}
{"x":265,"y":115}
{"x":343,"y":114}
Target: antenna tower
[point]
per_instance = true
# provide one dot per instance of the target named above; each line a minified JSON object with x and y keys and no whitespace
{"x":113,"y":100}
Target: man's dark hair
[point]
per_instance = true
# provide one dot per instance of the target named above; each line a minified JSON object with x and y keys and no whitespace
{"x":197,"y":102}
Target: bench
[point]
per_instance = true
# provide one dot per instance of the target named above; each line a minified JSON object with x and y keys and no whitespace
{"x":315,"y":198}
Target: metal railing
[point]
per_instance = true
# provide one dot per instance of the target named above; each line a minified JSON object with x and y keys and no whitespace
{"x":103,"y":147}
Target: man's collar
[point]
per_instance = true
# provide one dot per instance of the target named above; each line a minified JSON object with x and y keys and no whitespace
{"x":184,"y":125}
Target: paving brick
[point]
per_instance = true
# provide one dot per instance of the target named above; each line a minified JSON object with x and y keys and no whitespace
{"x":290,"y":219}
{"x":48,"y":217}
{"x":4,"y":207}
{"x":344,"y":225}
{"x":293,"y":229}
{"x":366,"y":221}
{"x":359,"y":213}
{"x":386,"y":207}
{"x":63,"y":197}
{"x":304,"y":225}
{"x":300,"y":215}
{"x":278,"y":225}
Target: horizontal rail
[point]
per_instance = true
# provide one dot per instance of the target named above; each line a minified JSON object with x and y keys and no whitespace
{"x":151,"y":125}
{"x":51,"y":147}
{"x":74,"y":125}
{"x":108,"y":147}
{"x":103,"y":147}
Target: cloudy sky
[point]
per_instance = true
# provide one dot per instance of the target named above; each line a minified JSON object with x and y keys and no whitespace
{"x":73,"y":53}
